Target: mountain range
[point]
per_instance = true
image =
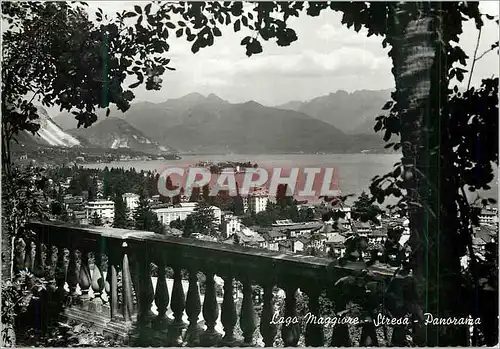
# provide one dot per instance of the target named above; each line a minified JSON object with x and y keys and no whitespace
{"x":337,"y":123}
{"x":352,"y":113}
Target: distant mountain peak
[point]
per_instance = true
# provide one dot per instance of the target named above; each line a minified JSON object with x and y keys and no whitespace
{"x":253,"y":103}
{"x":193,"y":96}
{"x":215,"y":98}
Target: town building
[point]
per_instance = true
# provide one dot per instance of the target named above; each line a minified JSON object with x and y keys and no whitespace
{"x":230,"y":225}
{"x":80,"y":217}
{"x":300,"y":244}
{"x":131,"y":201}
{"x":335,"y":245}
{"x":362,"y":227}
{"x":167,"y":214}
{"x":257,"y":201}
{"x":377,"y":236}
{"x":285,"y":246}
{"x":318,"y":240}
{"x":488,"y":216}
{"x":104,"y":208}
{"x":293,"y":230}
{"x":155,"y":199}
{"x":246,"y":237}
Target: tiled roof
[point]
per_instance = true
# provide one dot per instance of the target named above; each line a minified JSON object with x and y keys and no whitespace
{"x":336,"y":238}
{"x":378,"y":233}
{"x":478,"y":242}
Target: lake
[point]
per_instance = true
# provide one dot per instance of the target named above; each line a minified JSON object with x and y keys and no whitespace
{"x":354,"y":171}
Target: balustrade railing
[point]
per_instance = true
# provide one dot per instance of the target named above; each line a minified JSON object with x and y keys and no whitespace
{"x":103,"y":275}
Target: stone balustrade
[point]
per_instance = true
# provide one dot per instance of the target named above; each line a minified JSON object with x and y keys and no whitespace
{"x":103,"y":276}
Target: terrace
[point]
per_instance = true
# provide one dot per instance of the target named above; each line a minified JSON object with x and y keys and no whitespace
{"x":82,"y":264}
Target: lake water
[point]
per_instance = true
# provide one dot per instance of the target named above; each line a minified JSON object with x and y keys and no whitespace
{"x":354,"y":171}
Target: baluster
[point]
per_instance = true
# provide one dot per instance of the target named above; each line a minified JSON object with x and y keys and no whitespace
{"x":126,"y":286}
{"x":113,"y":284}
{"x":146,"y":291}
{"x":228,"y":312}
{"x":97,"y":283}
{"x":84,"y":280}
{"x":135,"y":269}
{"x":193,"y":309}
{"x":340,"y":335}
{"x":210,"y":311}
{"x":398,"y":338}
{"x":105,"y":263}
{"x":162,"y":297}
{"x":314,"y":336}
{"x":51,"y":268}
{"x":268,"y":328}
{"x":73,"y":275}
{"x":20,"y":250}
{"x":290,"y":333}
{"x":30,"y":256}
{"x":248,"y":318}
{"x":368,"y":334}
{"x":177,"y":305}
{"x":39,"y":260}
{"x":60,"y":274}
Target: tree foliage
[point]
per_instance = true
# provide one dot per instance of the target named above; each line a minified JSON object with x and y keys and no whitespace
{"x":53,"y":54}
{"x":203,"y":219}
{"x":146,"y":219}
{"x":121,"y":219}
{"x":96,"y":220}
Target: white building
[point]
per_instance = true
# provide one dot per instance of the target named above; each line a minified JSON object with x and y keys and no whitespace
{"x":230,"y":225}
{"x":257,"y":200}
{"x":131,"y":201}
{"x":171,"y":213}
{"x":488,"y":217}
{"x":104,"y":209}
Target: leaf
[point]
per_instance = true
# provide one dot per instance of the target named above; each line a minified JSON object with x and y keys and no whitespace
{"x":170,"y":25}
{"x":135,"y":84}
{"x":147,"y":9}
{"x":378,"y":126}
{"x":387,"y":105}
{"x":246,"y":40}
{"x":108,"y":111}
{"x":138,"y":9}
{"x":130,"y":15}
{"x":179,"y":32}
{"x":237,"y":25}
{"x":217,"y":31}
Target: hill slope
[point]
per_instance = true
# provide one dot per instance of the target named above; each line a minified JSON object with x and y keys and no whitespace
{"x":49,"y":133}
{"x":115,"y":133}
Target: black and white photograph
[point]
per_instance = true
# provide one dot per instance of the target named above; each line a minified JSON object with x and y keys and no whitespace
{"x":249,"y":174}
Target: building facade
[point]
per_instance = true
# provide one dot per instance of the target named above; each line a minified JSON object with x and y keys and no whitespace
{"x":257,"y":201}
{"x":166,"y":215}
{"x":131,"y":201}
{"x":104,"y":209}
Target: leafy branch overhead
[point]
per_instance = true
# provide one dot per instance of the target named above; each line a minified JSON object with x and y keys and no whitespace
{"x":79,"y":65}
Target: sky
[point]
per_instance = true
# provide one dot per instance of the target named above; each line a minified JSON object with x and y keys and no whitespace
{"x":327,"y":57}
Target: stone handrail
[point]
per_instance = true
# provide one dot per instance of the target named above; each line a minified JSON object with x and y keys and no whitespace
{"x":75,"y":257}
